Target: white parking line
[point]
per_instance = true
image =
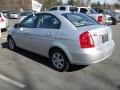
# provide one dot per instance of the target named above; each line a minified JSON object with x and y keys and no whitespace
{"x":18,"y":84}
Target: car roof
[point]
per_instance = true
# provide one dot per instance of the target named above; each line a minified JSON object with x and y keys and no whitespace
{"x":84,"y":7}
{"x":63,"y":6}
{"x":67,"y":6}
{"x":58,"y":13}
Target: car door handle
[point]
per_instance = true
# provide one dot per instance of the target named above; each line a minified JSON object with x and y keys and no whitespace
{"x":26,"y":33}
{"x":51,"y":34}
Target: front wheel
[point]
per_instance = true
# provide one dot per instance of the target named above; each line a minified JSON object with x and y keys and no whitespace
{"x":11,"y":43}
{"x":59,"y":60}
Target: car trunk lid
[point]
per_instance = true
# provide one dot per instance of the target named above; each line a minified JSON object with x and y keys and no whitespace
{"x":100,"y":34}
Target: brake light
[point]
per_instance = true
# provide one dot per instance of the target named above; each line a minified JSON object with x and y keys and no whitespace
{"x":1,"y":20}
{"x":99,"y":19}
{"x":86,"y":40}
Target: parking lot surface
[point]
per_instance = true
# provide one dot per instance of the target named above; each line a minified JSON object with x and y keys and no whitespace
{"x":23,"y":70}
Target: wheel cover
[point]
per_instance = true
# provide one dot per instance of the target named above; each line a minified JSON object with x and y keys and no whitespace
{"x":11,"y":44}
{"x":58,"y":60}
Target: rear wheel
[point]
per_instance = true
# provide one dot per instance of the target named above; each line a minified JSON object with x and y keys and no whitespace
{"x":59,"y":60}
{"x":113,"y":21}
{"x":11,"y":43}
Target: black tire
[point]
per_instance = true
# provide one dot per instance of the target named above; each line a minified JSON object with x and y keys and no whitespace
{"x":11,"y":44}
{"x":64,"y":66}
{"x":113,"y":21}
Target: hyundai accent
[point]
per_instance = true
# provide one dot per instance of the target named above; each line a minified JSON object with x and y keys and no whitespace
{"x":67,"y":38}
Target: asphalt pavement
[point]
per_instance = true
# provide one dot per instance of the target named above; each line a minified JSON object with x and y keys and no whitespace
{"x":23,"y":70}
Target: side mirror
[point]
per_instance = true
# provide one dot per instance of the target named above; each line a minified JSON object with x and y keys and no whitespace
{"x":16,"y":25}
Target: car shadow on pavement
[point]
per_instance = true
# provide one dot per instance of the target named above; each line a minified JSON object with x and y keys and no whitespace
{"x":118,"y":87}
{"x":41,"y":59}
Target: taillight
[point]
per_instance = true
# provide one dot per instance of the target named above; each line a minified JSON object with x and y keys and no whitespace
{"x":86,"y":40}
{"x":1,"y":20}
{"x":99,"y":19}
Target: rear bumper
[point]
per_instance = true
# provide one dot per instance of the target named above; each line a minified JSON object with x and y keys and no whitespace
{"x":91,"y":56}
{"x":108,"y":22}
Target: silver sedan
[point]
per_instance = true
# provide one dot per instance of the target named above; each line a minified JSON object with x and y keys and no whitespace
{"x":67,"y":38}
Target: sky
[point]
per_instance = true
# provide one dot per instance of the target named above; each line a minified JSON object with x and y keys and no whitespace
{"x":101,"y":1}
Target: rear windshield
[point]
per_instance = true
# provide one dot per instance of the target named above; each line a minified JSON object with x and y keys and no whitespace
{"x":79,"y":19}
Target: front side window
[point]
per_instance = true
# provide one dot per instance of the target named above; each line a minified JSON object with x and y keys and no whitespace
{"x":92,"y":11}
{"x":53,"y":9}
{"x":29,"y":22}
{"x":79,"y":20}
{"x":83,"y":10}
{"x":25,"y":13}
{"x":49,"y":21}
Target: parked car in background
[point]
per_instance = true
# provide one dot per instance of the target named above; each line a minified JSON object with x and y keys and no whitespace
{"x":64,"y":8}
{"x":89,"y":11}
{"x":92,"y":13}
{"x":3,"y":22}
{"x":13,"y":15}
{"x":65,"y":38}
{"x":99,"y":10}
{"x":115,"y":17}
{"x":24,"y":14}
{"x":106,"y":17}
{"x":100,"y":17}
{"x":5,"y":13}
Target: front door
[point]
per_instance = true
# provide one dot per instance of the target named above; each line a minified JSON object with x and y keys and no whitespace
{"x":22,"y":34}
{"x":45,"y":33}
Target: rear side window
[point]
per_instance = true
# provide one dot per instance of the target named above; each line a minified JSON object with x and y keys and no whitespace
{"x":73,"y":9}
{"x":53,"y":9}
{"x":48,"y":21}
{"x":62,"y":8}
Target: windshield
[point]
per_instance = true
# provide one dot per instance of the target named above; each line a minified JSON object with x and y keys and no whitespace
{"x":25,"y":13}
{"x":92,"y":11}
{"x":79,"y":19}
